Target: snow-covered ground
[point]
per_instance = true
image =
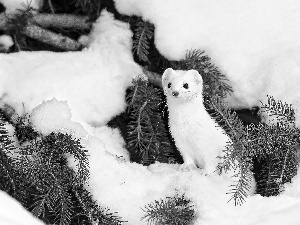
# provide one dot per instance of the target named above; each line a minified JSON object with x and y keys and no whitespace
{"x":89,"y":89}
{"x":92,"y":81}
{"x":127,"y":187}
{"x":13,"y":213}
{"x":255,"y":43}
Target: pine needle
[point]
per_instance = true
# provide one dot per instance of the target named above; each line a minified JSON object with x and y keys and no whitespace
{"x":175,"y":210}
{"x":142,"y":34}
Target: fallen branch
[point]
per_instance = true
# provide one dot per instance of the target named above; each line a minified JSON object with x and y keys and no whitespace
{"x":51,"y":38}
{"x":53,"y":20}
{"x":3,"y":21}
{"x":62,"y":21}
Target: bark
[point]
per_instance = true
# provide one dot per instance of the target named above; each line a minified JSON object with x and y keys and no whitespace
{"x":51,"y":38}
{"x":3,"y":21}
{"x":53,"y":20}
{"x":62,"y":21}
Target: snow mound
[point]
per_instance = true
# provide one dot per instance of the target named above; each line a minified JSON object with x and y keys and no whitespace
{"x":293,"y":189}
{"x":5,"y":42}
{"x":113,"y":141}
{"x":13,"y":213}
{"x":93,"y":81}
{"x":126,"y":187}
{"x":256,"y":43}
{"x":55,"y":116}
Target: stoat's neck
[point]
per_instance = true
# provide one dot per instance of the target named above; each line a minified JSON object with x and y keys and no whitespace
{"x":187,"y":107}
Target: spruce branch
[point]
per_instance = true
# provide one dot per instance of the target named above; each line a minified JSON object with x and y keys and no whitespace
{"x":175,"y":210}
{"x":147,"y":137}
{"x":239,"y":190}
{"x":86,"y":210}
{"x":237,"y":154}
{"x":94,"y":213}
{"x":279,"y":111}
{"x":43,"y":166}
{"x":90,"y":7}
{"x":215,"y":83}
{"x":142,"y":34}
{"x":7,"y":175}
{"x":277,"y":145}
{"x":7,"y":182}
{"x":278,"y":151}
{"x":23,"y":129}
{"x":63,"y":208}
{"x":40,"y":202}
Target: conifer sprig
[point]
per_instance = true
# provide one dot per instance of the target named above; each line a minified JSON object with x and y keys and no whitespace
{"x":278,"y":111}
{"x":45,"y":169}
{"x":92,"y":8}
{"x":175,"y":210}
{"x":143,"y":32}
{"x":277,"y":145}
{"x":237,"y":155}
{"x":93,"y":213}
{"x":215,"y":83}
{"x":7,"y":181}
{"x":37,"y":174}
{"x":147,"y":136}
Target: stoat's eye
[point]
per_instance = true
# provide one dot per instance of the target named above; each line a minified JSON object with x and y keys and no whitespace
{"x":169,"y":85}
{"x":186,"y":85}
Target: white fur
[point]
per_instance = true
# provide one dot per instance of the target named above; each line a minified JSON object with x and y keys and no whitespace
{"x":197,"y":136}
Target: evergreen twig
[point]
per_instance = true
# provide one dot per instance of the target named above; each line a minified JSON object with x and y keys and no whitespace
{"x":143,"y":33}
{"x":215,"y":83}
{"x":175,"y":210}
{"x":237,"y":155}
{"x":7,"y":181}
{"x":147,"y":137}
{"x":277,"y":147}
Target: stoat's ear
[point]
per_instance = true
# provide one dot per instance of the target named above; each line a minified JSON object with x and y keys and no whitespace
{"x":197,"y":76}
{"x":166,"y":75}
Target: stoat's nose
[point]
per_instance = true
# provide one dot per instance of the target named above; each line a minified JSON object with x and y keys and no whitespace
{"x":175,"y":93}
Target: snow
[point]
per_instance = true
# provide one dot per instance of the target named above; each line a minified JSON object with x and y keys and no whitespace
{"x":288,"y":215}
{"x":13,"y":213}
{"x":78,"y":92}
{"x":13,"y":5}
{"x":51,"y":116}
{"x":126,"y":187}
{"x":5,"y":42}
{"x":256,"y":43}
{"x":93,"y":81}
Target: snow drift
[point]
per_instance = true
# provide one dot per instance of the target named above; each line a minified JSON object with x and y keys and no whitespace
{"x":256,"y":43}
{"x":92,"y":81}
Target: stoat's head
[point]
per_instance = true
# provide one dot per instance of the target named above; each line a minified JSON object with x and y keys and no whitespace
{"x":182,"y":84}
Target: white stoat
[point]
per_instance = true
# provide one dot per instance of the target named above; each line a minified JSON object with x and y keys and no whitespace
{"x":197,"y":136}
